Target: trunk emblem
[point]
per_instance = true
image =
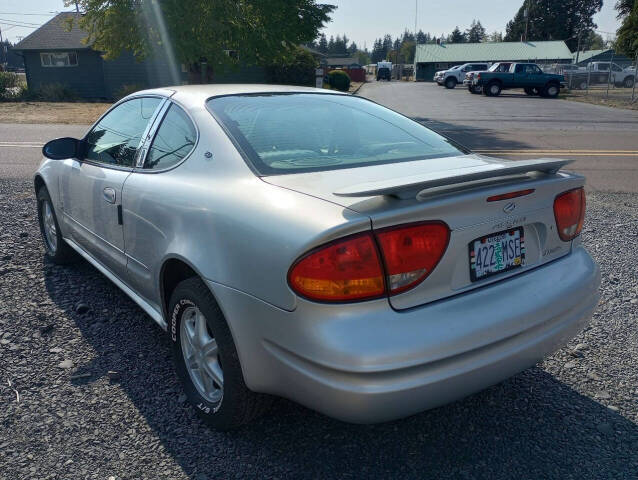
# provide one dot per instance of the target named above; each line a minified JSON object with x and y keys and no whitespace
{"x":509,"y":208}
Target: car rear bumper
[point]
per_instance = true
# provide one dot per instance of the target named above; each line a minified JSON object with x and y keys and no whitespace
{"x":367,"y":363}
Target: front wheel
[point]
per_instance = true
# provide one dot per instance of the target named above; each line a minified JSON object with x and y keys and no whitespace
{"x":55,"y":247}
{"x":629,"y":82}
{"x":450,"y":83}
{"x":551,"y":91}
{"x":493,"y":89}
{"x":206,"y":359}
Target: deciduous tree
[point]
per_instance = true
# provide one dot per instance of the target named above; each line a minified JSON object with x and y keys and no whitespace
{"x":191,"y":30}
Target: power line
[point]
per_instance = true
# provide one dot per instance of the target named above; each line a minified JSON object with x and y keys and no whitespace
{"x":37,"y":14}
{"x":22,"y":26}
{"x":31,"y":24}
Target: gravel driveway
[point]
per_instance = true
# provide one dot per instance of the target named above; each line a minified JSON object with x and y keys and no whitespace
{"x":98,"y":397}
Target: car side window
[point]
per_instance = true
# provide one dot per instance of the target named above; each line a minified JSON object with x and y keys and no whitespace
{"x":175,"y":138}
{"x":116,"y":138}
{"x":616,"y":68}
{"x":603,"y":66}
{"x":520,"y":69}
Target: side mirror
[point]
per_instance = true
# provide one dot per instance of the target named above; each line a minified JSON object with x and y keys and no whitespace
{"x":63,"y":148}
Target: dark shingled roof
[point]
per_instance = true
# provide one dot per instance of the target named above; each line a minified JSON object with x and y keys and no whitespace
{"x":53,"y":35}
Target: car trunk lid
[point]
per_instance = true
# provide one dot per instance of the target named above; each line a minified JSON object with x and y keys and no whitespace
{"x":453,"y":190}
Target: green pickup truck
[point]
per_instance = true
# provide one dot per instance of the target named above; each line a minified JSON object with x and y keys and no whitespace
{"x":527,"y":76}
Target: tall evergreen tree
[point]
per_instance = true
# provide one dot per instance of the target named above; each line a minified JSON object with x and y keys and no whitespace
{"x":457,"y":36}
{"x":553,"y":20}
{"x":476,"y":33}
{"x":322,"y":45}
{"x":421,"y":37}
{"x":496,"y":37}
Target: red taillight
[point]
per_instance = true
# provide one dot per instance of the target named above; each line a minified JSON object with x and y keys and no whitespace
{"x":411,"y":252}
{"x":507,"y":196}
{"x":351,"y":269}
{"x":345,"y":270}
{"x":569,"y":211}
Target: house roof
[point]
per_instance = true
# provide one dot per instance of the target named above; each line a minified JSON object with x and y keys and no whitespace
{"x":587,"y":54}
{"x":54,"y":35}
{"x":492,"y":51}
{"x":342,"y":61}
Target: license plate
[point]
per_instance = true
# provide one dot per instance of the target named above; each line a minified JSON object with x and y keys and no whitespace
{"x":497,"y":253}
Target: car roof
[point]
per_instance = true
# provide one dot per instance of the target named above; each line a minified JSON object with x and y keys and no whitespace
{"x":196,"y":95}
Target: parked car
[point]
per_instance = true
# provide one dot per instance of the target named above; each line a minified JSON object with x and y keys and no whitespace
{"x":469,"y":76}
{"x":597,"y":73}
{"x":384,"y":71}
{"x":527,"y":76}
{"x":452,"y":77}
{"x":318,"y":246}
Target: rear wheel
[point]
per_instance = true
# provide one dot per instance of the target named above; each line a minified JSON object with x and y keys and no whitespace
{"x":450,"y":82}
{"x":551,"y":90}
{"x":206,"y":359}
{"x":493,"y":89}
{"x":56,"y":249}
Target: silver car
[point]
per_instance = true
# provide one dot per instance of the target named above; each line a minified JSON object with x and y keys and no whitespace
{"x":317,"y":246}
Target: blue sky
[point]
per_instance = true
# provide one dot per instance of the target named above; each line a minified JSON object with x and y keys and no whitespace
{"x":361,"y":20}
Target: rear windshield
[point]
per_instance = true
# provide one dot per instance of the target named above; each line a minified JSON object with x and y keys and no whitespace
{"x":294,"y":133}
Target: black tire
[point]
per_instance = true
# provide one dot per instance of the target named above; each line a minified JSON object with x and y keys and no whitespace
{"x":629,"y":82}
{"x":450,"y":83}
{"x":493,"y":89}
{"x":582,"y":85}
{"x":58,"y":251}
{"x":531,"y":91}
{"x":238,"y":405}
{"x":551,"y":90}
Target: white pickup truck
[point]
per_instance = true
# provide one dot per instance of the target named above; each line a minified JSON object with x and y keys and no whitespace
{"x":598,"y":72}
{"x":455,"y":75}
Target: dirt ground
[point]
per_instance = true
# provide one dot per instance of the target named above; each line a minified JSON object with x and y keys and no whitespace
{"x":617,"y":98}
{"x":51,"y":112}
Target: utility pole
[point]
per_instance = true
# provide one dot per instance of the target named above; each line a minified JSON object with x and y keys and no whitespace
{"x":526,"y":13}
{"x":416,"y":16}
{"x":77,"y":8}
{"x":578,"y":49}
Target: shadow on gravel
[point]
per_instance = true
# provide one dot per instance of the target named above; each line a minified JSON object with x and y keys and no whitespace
{"x":531,"y":426}
{"x":474,"y":138}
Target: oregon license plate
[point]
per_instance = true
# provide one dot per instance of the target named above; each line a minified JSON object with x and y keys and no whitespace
{"x":497,"y":253}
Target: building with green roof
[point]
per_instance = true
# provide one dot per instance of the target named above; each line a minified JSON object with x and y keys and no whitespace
{"x":587,"y":56}
{"x":430,"y":58}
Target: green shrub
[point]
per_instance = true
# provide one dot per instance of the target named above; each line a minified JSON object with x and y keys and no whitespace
{"x":340,"y":80}
{"x":8,"y":80}
{"x":296,"y":69}
{"x":53,"y":92}
{"x":126,"y":90}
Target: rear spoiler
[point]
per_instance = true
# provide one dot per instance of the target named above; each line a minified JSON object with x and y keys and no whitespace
{"x":401,"y":186}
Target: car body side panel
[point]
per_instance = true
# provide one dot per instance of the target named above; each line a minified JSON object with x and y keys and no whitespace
{"x":238,"y":230}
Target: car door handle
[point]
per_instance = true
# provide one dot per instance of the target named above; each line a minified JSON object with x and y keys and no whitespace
{"x":109,"y":194}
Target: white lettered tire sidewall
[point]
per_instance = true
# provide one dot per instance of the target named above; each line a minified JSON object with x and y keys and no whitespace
{"x":238,"y":404}
{"x":204,"y":407}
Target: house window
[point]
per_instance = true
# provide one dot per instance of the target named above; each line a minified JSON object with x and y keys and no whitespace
{"x":59,"y":59}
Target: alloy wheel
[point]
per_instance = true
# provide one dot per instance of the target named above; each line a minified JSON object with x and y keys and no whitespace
{"x":50,"y":230}
{"x":201,"y":355}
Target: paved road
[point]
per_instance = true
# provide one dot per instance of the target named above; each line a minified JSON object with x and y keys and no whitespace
{"x":20,"y":145}
{"x":602,"y":140}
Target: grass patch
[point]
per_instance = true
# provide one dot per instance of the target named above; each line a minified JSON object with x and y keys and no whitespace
{"x":52,"y":112}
